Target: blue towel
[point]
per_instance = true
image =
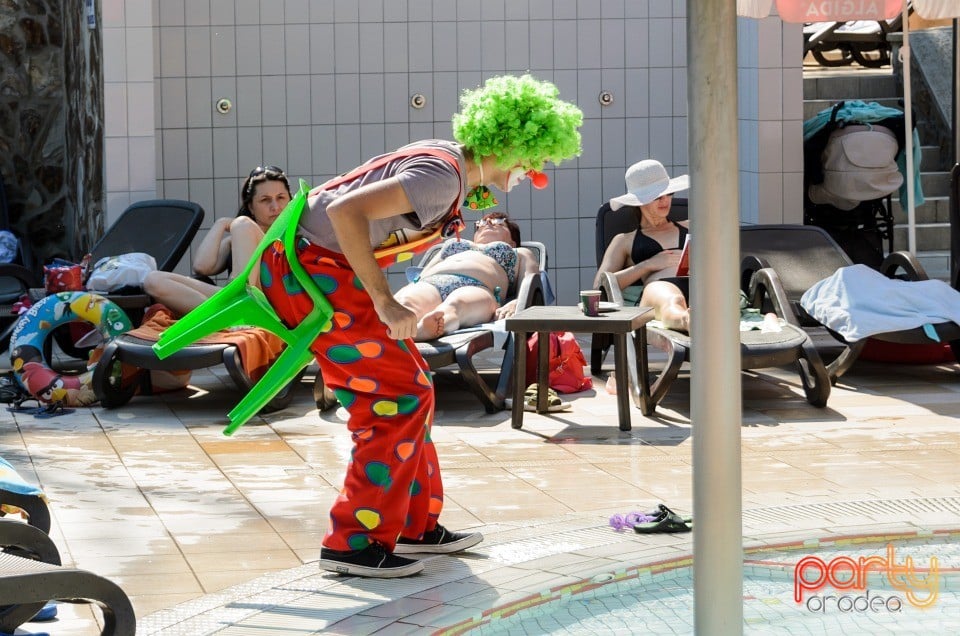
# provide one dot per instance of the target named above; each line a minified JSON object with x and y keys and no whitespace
{"x":11,"y":480}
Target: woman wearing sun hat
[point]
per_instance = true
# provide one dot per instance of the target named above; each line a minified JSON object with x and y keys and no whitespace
{"x":650,"y":254}
{"x":392,"y":494}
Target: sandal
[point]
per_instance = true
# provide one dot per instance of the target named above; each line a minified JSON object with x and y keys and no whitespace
{"x":666,"y":521}
{"x":554,"y":403}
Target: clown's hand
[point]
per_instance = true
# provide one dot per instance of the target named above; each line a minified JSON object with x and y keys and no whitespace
{"x":401,"y":322}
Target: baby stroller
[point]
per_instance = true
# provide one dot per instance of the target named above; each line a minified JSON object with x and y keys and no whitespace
{"x":853,"y":162}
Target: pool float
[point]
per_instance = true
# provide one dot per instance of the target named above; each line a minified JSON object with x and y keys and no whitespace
{"x":30,"y":369}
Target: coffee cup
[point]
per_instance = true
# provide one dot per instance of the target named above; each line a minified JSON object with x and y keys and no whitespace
{"x":590,"y":302}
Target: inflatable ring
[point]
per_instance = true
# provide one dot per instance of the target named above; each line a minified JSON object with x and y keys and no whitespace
{"x":26,"y":345}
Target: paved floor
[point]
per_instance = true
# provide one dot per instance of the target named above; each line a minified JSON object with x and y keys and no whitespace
{"x":212,"y":534}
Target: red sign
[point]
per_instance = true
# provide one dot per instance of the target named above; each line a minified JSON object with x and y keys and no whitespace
{"x":838,"y":10}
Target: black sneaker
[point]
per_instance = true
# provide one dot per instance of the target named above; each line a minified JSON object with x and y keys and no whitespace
{"x":373,"y":561}
{"x":439,"y":541}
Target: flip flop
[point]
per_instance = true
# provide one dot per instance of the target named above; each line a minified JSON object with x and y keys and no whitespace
{"x":668,"y":521}
{"x":554,"y":403}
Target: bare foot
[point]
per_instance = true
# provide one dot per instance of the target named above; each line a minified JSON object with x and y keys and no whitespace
{"x":430,"y":326}
{"x":676,"y":318}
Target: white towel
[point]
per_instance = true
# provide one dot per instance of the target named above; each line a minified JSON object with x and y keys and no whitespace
{"x":858,"y":301}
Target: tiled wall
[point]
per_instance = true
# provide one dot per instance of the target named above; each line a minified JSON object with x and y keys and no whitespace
{"x":316,"y":86}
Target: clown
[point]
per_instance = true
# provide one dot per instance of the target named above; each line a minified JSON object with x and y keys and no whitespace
{"x":392,"y":494}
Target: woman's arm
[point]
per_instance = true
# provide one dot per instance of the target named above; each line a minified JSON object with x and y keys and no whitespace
{"x":213,"y":253}
{"x":616,"y":257}
{"x":350,"y":216}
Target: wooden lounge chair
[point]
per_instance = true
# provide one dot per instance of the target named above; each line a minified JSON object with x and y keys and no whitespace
{"x":781,"y":262}
{"x":27,"y":584}
{"x":460,"y":347}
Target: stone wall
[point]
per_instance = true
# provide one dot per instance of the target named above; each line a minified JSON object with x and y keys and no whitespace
{"x":51,"y":125}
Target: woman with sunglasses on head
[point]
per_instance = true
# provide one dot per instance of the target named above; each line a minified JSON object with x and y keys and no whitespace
{"x":228,"y":245}
{"x":378,"y":214}
{"x":467,"y":282}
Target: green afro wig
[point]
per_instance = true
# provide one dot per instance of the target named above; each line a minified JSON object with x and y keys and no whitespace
{"x":518,"y":121}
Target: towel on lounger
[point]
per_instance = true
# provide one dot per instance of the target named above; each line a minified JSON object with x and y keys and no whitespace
{"x":257,"y":347}
{"x":858,"y":302}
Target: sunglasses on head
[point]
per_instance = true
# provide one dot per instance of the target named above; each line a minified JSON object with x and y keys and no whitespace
{"x":259,"y":170}
{"x":485,"y":222}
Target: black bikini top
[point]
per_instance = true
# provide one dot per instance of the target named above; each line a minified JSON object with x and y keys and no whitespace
{"x":645,"y":247}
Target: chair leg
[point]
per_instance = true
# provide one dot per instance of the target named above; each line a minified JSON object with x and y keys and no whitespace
{"x":813,"y":375}
{"x":490,"y":400}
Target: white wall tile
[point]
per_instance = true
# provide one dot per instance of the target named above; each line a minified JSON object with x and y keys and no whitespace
{"x":564,"y":49}
{"x":115,"y":109}
{"x":371,"y":98}
{"x":199,"y":102}
{"x":492,"y":45}
{"x":223,"y":51}
{"x":298,"y":150}
{"x":136,"y":13}
{"x":347,"y":96}
{"x":273,"y":99}
{"x":297,"y":100}
{"x":469,"y":55}
{"x":248,"y":11}
{"x":420,"y":10}
{"x":273,"y":58}
{"x":541,"y":44}
{"x":517,"y":43}
{"x":171,"y":12}
{"x":221,"y":12}
{"x":589,"y":43}
{"x":197,"y":12}
{"x":321,"y":45}
{"x":198,"y":51}
{"x":468,"y":10}
{"x":298,"y":11}
{"x":248,"y":104}
{"x":142,"y":159}
{"x":249,"y":149}
{"x":274,"y":146}
{"x":114,"y":55}
{"x":272,"y":12}
{"x":247,"y":49}
{"x":371,"y":39}
{"x":225,"y":153}
{"x":200,"y":153}
{"x":116,"y":163}
{"x":372,"y":140}
{"x":140,"y":104}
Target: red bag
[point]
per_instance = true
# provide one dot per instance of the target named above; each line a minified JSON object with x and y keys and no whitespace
{"x":565,"y":360}
{"x":63,"y":278}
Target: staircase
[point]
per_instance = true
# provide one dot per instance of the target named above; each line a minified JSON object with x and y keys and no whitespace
{"x":824,"y":87}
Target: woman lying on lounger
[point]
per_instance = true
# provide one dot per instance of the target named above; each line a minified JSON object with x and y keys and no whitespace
{"x":650,"y":254}
{"x":467,"y":282}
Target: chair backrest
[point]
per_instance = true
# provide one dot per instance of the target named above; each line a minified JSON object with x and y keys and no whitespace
{"x":800,"y":254}
{"x":612,"y":222}
{"x":162,"y":228}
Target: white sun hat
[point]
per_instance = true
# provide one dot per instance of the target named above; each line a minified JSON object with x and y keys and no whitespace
{"x":646,"y":181}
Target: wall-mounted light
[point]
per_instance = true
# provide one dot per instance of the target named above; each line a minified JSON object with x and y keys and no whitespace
{"x":224,"y":105}
{"x":418,"y":101}
{"x":605,"y":98}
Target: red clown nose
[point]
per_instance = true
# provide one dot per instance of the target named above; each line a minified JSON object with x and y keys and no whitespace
{"x":537,"y":179}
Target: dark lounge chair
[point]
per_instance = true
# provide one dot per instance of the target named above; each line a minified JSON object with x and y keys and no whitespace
{"x":781,"y":262}
{"x":27,"y":584}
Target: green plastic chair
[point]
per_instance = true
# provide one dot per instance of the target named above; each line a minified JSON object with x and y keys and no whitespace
{"x":240,"y":304}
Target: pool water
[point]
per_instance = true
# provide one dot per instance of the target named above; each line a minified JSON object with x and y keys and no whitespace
{"x":659,"y":599}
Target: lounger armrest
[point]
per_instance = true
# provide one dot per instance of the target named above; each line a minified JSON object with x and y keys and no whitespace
{"x":32,"y":542}
{"x":765,"y":283}
{"x":530,"y":292}
{"x":610,"y":288}
{"x":748,"y":266}
{"x":905,"y":261}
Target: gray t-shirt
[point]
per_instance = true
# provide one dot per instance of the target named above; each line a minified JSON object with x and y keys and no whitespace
{"x":432,"y":185}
